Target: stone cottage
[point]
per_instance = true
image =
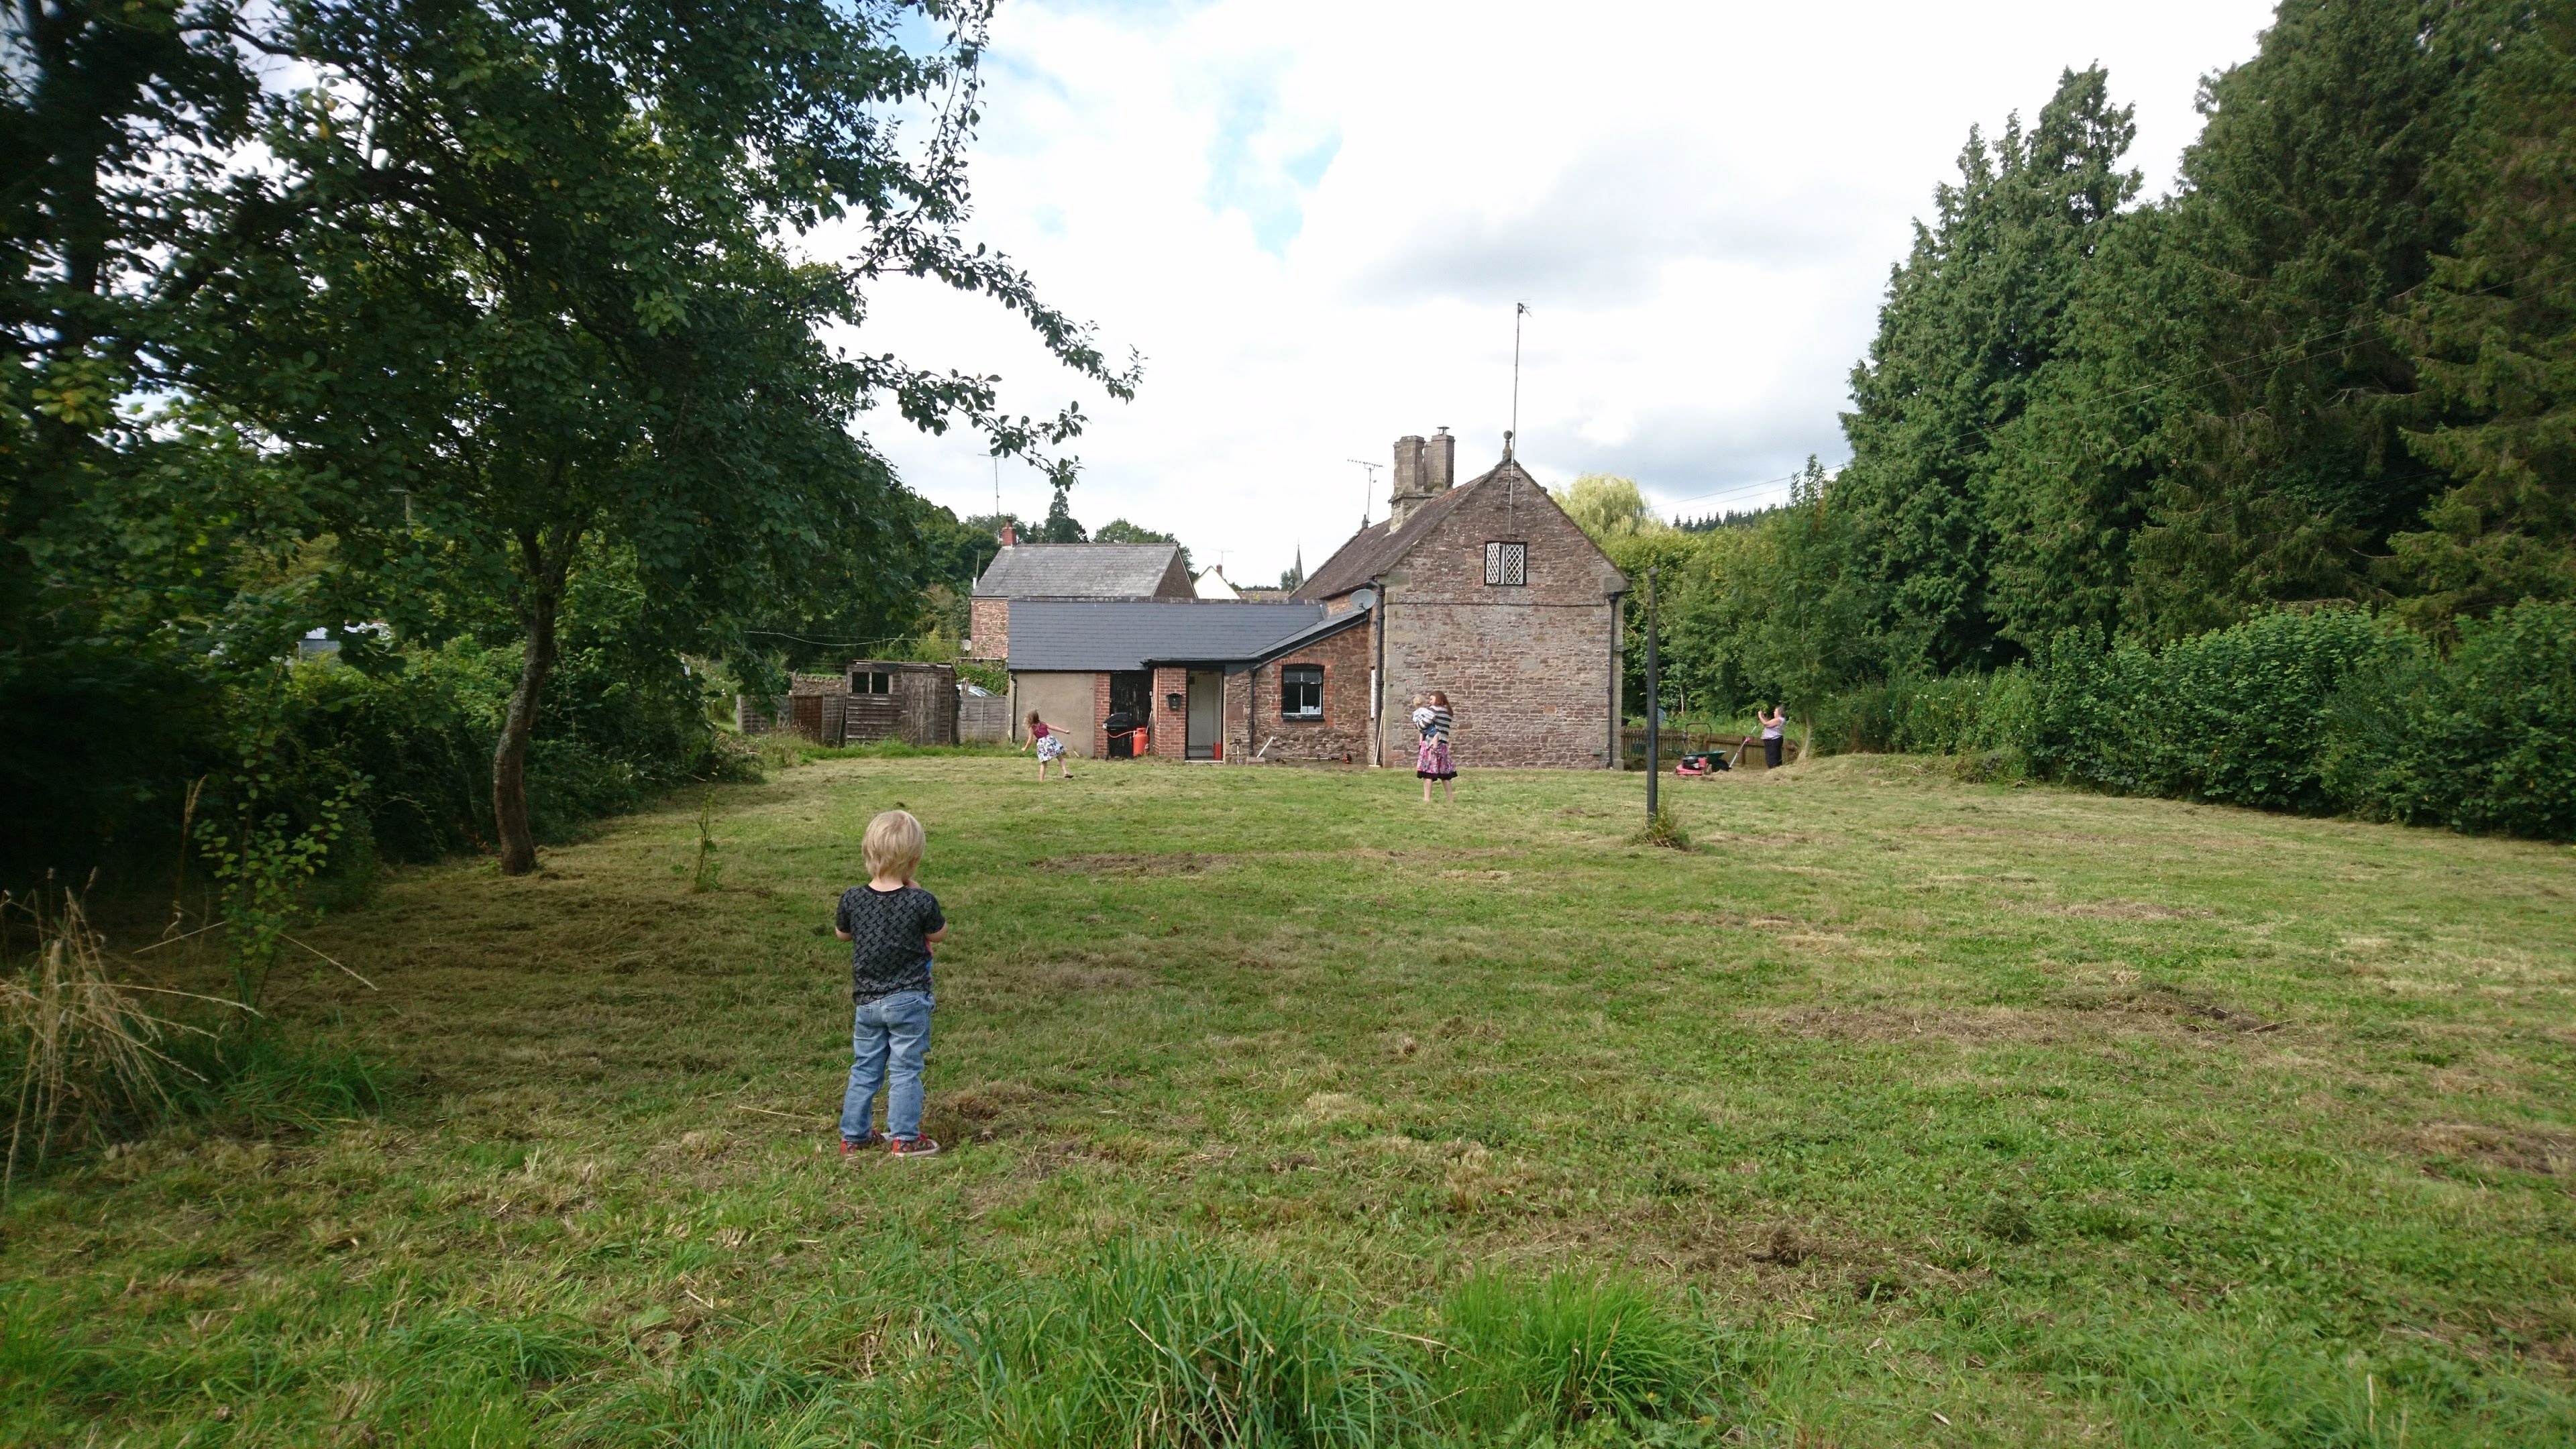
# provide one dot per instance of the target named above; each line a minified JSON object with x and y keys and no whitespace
{"x":1484,"y":590}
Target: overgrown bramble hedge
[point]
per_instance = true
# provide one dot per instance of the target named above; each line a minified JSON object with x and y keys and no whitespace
{"x":2314,"y":712}
{"x":422,"y":737}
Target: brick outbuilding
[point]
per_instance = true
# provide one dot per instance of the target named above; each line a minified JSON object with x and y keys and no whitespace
{"x":1099,"y":571}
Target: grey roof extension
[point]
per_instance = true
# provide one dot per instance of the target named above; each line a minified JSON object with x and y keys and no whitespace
{"x":1087,"y":571}
{"x":1086,"y":635}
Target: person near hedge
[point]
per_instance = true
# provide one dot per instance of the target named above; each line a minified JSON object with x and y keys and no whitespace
{"x":1772,"y":725}
{"x":1432,"y":761}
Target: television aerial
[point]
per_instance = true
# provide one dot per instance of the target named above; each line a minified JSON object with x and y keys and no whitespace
{"x":1372,"y":486}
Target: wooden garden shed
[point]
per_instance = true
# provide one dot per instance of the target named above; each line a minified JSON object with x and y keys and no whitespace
{"x":895,"y":699}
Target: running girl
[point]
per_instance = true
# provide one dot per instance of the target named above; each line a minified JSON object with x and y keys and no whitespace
{"x":1050,"y":747}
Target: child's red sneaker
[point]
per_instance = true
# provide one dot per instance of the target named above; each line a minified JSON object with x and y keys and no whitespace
{"x":850,"y":1145}
{"x":914,"y":1147}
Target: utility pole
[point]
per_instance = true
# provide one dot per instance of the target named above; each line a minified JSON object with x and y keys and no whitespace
{"x":1654,"y":705}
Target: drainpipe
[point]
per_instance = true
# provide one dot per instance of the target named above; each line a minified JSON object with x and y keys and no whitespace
{"x":1377,"y":678}
{"x":1614,"y":758}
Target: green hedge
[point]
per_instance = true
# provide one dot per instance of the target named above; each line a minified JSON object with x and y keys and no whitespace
{"x":2484,"y":740}
{"x":422,"y":734}
{"x":2315,"y":712}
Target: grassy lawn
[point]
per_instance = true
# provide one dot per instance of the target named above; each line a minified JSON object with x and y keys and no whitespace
{"x":1917,"y":1111}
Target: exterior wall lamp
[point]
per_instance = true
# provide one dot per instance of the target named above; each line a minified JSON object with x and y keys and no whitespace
{"x":1172,"y":702}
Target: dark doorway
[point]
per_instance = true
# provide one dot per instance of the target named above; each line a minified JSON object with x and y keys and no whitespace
{"x":1206,"y":715}
{"x":1131,"y":711}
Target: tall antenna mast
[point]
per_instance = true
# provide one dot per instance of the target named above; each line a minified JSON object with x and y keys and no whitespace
{"x":1519,"y":310}
{"x":1372,"y":486}
{"x":997,"y":493}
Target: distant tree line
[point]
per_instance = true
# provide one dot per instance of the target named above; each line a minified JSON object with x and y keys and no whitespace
{"x":2333,"y":370}
{"x":487,"y":340}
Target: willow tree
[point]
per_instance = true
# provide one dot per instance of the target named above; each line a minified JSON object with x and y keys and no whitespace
{"x":532,"y":288}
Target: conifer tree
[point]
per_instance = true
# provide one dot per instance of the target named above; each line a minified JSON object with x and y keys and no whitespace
{"x":1973,"y":315}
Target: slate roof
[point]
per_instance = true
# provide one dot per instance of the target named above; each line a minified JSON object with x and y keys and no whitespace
{"x":1374,"y":549}
{"x":1086,"y":571}
{"x":1324,"y":628}
{"x":1130,"y":634}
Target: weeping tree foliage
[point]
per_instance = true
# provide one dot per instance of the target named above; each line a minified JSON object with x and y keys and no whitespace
{"x":1607,"y":507}
{"x":535,"y":289}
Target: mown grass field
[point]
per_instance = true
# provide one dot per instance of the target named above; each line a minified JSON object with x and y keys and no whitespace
{"x":1934,"y":1112}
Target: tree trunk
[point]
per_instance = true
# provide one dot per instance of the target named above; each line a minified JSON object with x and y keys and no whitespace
{"x":546,"y":568}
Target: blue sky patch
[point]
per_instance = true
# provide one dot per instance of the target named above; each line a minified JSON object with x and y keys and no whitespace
{"x":1261,"y":165}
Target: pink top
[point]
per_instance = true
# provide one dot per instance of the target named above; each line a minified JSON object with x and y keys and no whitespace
{"x":1039,"y":732}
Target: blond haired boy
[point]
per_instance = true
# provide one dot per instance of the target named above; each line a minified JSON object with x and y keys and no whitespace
{"x":891,"y":924}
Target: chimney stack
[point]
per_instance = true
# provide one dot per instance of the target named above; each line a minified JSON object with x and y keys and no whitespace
{"x":1422,"y":472}
{"x":1010,"y":536}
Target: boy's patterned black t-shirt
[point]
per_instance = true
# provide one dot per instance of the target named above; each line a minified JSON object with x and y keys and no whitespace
{"x":888,"y":949}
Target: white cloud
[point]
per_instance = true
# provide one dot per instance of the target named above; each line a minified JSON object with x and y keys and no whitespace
{"x":1313,"y":221}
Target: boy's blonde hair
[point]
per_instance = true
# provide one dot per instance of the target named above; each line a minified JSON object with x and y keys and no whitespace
{"x":893,"y":844}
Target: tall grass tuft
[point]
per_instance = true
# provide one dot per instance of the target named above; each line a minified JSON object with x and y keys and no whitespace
{"x":1176,"y":1344}
{"x":77,"y":1054}
{"x":274,"y":1078}
{"x":1666,"y":830}
{"x":1553,"y":1354}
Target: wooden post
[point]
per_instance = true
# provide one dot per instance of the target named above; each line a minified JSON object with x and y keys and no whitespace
{"x":1654,"y":705}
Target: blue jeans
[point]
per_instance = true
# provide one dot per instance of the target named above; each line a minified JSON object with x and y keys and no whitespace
{"x":887,"y":1043}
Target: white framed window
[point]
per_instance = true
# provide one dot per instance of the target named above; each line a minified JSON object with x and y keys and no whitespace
{"x":1506,"y":564}
{"x":1301,"y":691}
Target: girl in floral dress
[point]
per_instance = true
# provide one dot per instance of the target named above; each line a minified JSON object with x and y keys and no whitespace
{"x":1432,"y":762}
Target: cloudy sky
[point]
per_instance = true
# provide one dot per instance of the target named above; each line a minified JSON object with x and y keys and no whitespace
{"x":1313,"y":221}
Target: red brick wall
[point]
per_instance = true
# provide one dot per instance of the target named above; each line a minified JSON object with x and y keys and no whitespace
{"x":1171,"y":726}
{"x":1529,"y":671}
{"x":1100,"y":717}
{"x":989,"y":625}
{"x":1344,"y":729}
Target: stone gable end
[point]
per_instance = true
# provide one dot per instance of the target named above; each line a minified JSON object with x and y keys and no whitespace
{"x":1530,"y":670}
